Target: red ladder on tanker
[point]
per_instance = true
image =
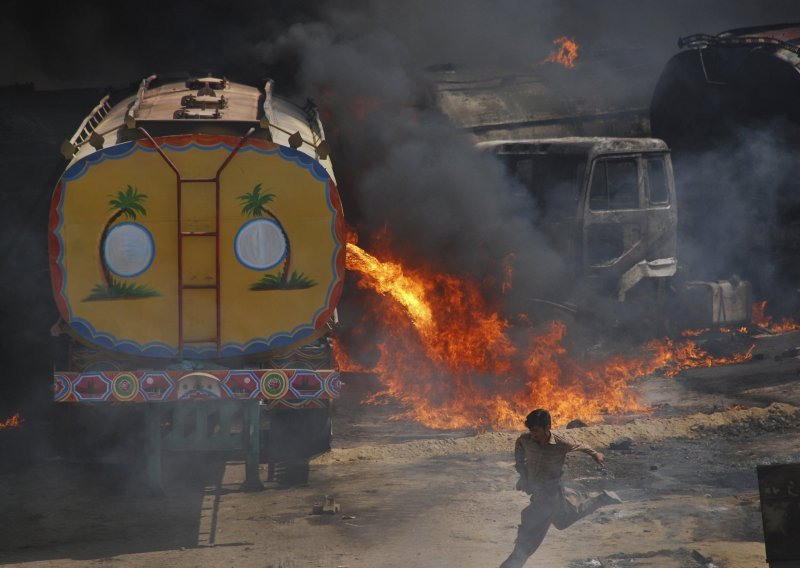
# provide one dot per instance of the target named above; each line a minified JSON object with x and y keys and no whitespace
{"x":204,"y":234}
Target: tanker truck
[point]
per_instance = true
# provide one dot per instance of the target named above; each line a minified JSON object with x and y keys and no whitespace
{"x":196,"y":242}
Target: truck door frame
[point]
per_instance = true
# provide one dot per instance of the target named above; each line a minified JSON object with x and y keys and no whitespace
{"x":634,"y":217}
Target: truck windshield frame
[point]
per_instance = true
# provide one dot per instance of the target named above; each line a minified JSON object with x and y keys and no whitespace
{"x":554,"y":181}
{"x":615,"y":184}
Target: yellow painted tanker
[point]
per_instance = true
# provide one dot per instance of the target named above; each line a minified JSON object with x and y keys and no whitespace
{"x":187,"y":241}
{"x":197,"y":255}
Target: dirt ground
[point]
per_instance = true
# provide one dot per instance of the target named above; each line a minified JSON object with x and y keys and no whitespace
{"x":410,"y":496}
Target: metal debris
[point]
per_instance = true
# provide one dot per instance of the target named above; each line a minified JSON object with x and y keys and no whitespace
{"x":329,"y":506}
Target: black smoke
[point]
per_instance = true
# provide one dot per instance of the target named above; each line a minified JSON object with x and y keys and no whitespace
{"x":400,"y":163}
{"x":404,"y":166}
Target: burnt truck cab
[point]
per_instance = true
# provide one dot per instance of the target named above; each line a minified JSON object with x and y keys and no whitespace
{"x":606,"y":205}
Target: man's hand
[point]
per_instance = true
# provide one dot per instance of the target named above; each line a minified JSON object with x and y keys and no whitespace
{"x":522,"y":485}
{"x":600,"y":459}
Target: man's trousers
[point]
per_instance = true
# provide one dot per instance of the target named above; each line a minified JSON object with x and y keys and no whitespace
{"x":560,"y":507}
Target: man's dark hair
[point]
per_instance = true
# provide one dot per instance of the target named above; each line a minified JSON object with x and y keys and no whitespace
{"x":539,"y":417}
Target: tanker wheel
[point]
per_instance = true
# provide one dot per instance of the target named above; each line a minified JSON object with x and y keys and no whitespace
{"x":295,"y":437}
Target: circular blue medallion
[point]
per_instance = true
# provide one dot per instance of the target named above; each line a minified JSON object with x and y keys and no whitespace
{"x":129,"y":249}
{"x":259,"y":244}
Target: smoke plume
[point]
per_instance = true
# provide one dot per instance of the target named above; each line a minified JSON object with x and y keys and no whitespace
{"x":404,"y":167}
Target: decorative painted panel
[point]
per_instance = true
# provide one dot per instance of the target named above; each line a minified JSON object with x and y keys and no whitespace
{"x":294,"y":387}
{"x":114,"y":247}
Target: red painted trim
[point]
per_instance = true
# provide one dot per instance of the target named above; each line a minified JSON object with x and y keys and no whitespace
{"x":336,"y":200}
{"x":54,"y":250}
{"x":340,"y":231}
{"x":207,"y":140}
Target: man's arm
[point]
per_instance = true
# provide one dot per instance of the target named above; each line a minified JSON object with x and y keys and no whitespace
{"x":580,"y":447}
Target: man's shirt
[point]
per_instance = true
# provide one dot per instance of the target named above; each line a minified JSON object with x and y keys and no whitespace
{"x":541,"y":466}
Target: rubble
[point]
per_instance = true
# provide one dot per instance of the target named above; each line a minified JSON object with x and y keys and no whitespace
{"x":623,"y":444}
{"x":329,"y":506}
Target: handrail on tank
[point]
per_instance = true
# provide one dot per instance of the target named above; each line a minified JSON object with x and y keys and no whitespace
{"x":312,"y":113}
{"x":269,"y":113}
{"x":734,"y":41}
{"x":86,"y":128}
{"x":130,"y":117}
{"x":320,"y":145}
{"x":174,"y":168}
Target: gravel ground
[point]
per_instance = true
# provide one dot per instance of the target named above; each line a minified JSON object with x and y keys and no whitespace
{"x":410,"y":496}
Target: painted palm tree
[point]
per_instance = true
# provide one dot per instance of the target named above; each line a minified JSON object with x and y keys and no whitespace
{"x":129,"y":204}
{"x":126,"y":203}
{"x":254,"y":205}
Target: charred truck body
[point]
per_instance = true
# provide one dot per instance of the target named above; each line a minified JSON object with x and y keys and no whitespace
{"x":727,"y":106}
{"x":197,"y":257}
{"x":608,"y":207}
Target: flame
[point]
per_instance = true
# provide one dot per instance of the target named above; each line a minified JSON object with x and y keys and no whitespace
{"x":566,"y":54}
{"x":12,"y":422}
{"x":759,"y":318}
{"x":677,"y":357}
{"x":694,"y":332}
{"x":448,"y":358}
{"x":741,"y":329}
{"x":388,"y":278}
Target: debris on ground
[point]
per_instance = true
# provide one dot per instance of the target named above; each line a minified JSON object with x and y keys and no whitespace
{"x":329,"y":506}
{"x":622,"y":444}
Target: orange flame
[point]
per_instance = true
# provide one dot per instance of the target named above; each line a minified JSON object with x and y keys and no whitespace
{"x":759,"y":318}
{"x":694,"y":332}
{"x":677,"y":357}
{"x":449,"y":360}
{"x":12,"y":422}
{"x":566,"y":54}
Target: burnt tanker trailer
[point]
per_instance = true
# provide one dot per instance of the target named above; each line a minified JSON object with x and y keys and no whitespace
{"x":197,"y":256}
{"x":727,"y":106}
{"x":718,"y":83}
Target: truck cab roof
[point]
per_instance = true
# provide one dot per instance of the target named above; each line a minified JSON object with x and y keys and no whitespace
{"x":580,"y":145}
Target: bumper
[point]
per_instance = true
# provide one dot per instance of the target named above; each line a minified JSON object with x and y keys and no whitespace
{"x":294,"y":388}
